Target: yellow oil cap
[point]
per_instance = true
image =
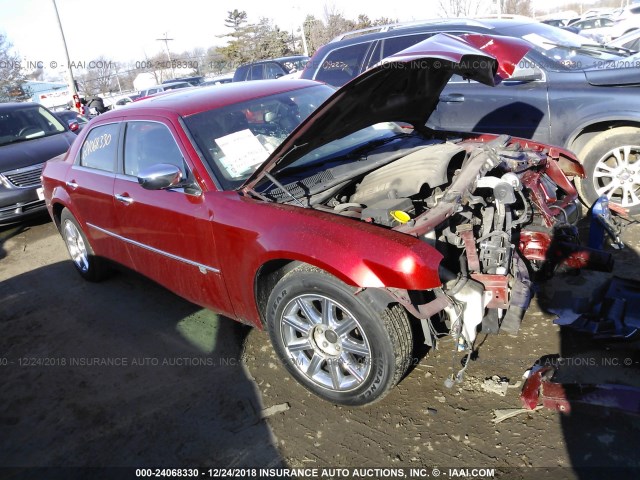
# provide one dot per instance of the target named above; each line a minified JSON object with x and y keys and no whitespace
{"x":400,"y":216}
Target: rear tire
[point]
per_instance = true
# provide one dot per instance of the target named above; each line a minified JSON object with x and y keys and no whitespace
{"x":84,"y":260}
{"x":342,"y":347}
{"x":612,"y":165}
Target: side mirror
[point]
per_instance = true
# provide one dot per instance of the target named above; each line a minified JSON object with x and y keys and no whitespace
{"x":73,"y":125}
{"x":159,"y":176}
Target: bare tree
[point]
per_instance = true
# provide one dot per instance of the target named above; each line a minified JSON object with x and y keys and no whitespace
{"x":464,"y":8}
{"x":335,"y":22}
{"x":100,"y":76}
{"x":517,"y":7}
{"x":11,"y":77}
{"x":319,"y":32}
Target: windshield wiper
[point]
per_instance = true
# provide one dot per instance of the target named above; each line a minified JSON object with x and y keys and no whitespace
{"x":283,"y":188}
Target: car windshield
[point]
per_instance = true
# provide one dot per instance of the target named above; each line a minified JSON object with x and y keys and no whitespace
{"x":365,"y":139}
{"x":295,"y":65}
{"x":561,"y":49}
{"x":21,"y":124}
{"x":70,"y":116}
{"x":236,"y":139}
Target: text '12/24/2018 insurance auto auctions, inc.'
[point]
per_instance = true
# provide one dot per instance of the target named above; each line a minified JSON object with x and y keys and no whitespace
{"x":345,"y":473}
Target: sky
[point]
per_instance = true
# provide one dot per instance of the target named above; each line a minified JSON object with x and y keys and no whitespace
{"x":127,"y":30}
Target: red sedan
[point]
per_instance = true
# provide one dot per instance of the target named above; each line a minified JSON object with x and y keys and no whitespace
{"x":335,"y":230}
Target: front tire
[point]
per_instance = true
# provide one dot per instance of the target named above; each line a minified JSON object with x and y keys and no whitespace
{"x":612,"y":164}
{"x":84,"y":259}
{"x":340,"y":346}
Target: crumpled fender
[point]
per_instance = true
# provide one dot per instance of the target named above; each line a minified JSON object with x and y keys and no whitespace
{"x":359,"y":257}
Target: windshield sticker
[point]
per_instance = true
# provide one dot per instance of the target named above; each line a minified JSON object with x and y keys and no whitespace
{"x":539,"y":41}
{"x":242,"y":151}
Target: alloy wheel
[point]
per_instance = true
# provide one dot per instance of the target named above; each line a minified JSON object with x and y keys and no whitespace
{"x":76,"y":246}
{"x":617,"y":175}
{"x":325,"y":342}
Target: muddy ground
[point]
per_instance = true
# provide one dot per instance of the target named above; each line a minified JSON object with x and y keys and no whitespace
{"x":126,"y":374}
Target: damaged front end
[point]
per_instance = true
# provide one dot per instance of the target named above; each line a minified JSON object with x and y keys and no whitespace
{"x":508,"y":214}
{"x":501,"y":211}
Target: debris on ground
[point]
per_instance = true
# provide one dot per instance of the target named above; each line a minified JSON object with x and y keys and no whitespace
{"x":270,"y":411}
{"x":612,"y":311}
{"x":540,"y":386}
{"x":496,"y":384}
{"x":505,"y":413}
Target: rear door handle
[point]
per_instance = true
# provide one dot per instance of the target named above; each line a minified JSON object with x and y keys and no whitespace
{"x":126,"y":199}
{"x":72,"y":184}
{"x":452,"y":98}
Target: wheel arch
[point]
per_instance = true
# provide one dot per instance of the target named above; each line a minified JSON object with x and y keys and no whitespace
{"x":56,"y":212}
{"x":271,"y":272}
{"x":581,"y":136}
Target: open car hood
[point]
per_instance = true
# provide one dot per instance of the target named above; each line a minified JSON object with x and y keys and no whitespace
{"x":404,"y":87}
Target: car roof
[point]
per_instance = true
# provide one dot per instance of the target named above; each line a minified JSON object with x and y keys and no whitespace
{"x":398,"y":29}
{"x":181,"y":79}
{"x":191,"y":101}
{"x":18,"y":105}
{"x":169,"y":84}
{"x":279,"y":59}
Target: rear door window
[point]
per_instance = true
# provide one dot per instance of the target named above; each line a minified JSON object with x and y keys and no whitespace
{"x":273,"y":70}
{"x":343,"y":64}
{"x":100,"y":148}
{"x":256,"y":72}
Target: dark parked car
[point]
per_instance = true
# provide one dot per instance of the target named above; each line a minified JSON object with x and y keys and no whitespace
{"x":29,"y":136}
{"x":335,"y":230}
{"x":269,"y":69}
{"x":193,"y":81}
{"x":73,"y":120}
{"x":567,"y":92}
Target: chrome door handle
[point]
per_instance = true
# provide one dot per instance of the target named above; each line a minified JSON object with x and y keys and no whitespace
{"x":72,"y":185}
{"x":452,"y":98}
{"x":126,"y":199}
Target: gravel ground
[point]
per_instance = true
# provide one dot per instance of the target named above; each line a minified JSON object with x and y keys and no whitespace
{"x":125,"y":374}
